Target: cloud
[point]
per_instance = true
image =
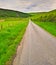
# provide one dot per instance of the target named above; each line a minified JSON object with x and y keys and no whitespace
{"x":13,"y":4}
{"x":28,"y":5}
{"x":42,"y":5}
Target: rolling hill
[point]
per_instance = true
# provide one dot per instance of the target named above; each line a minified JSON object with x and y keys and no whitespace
{"x":44,"y":16}
{"x":46,"y":20}
{"x":12,"y":13}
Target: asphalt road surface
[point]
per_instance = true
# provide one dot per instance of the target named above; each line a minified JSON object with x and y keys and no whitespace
{"x":39,"y":47}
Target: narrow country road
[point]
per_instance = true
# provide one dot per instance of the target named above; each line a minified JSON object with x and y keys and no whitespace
{"x":39,"y":47}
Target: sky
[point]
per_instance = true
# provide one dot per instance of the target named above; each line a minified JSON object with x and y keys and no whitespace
{"x":28,"y":5}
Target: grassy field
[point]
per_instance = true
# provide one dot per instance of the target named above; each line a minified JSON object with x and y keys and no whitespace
{"x":49,"y":26}
{"x":11,"y":33}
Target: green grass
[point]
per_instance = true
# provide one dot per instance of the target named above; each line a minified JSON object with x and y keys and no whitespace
{"x":4,"y":13}
{"x":44,"y":16}
{"x":49,"y":26}
{"x":46,"y":20}
{"x":11,"y":33}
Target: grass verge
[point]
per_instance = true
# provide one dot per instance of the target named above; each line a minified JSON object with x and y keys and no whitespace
{"x":11,"y":33}
{"x":49,"y":26}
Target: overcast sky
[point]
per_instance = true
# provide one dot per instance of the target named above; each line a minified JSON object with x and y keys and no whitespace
{"x":28,"y":5}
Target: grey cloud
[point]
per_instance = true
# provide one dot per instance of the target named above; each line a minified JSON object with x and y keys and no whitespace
{"x":28,"y":5}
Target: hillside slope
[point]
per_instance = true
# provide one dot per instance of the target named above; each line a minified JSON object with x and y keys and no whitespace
{"x":12,"y":13}
{"x":44,"y":16}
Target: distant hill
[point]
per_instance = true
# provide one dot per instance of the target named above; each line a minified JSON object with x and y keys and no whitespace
{"x":53,"y":10}
{"x":44,"y":16}
{"x":12,"y":13}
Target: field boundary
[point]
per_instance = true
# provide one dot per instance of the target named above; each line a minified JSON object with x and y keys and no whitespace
{"x":19,"y":50}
